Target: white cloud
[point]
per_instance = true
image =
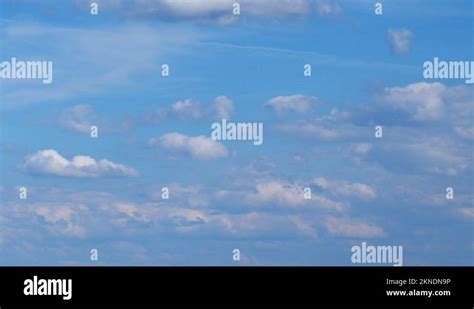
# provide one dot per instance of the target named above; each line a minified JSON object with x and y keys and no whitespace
{"x":86,"y":66}
{"x":221,"y":11}
{"x":345,"y":188}
{"x":199,"y":147}
{"x":303,"y":227}
{"x":337,"y":125}
{"x":424,"y":101}
{"x":318,"y":129}
{"x":286,"y":194}
{"x":361,"y":149}
{"x":131,"y":210}
{"x":222,"y":107}
{"x":50,"y":162}
{"x":435,"y":154}
{"x":55,"y":214}
{"x":400,"y":40}
{"x":187,"y":109}
{"x":347,"y":228}
{"x":192,"y":195}
{"x":78,"y":118}
{"x":275,"y":191}
{"x":327,"y":7}
{"x":297,"y":103}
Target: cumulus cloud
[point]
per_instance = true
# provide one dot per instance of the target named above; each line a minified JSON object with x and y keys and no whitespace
{"x":50,"y":162}
{"x":424,"y":101}
{"x":199,"y":147}
{"x":348,"y":228}
{"x":78,"y":118}
{"x":296,"y":103}
{"x":400,"y":40}
{"x":275,"y":191}
{"x":345,"y":188}
{"x":448,"y":106}
{"x":287,"y":194}
{"x":188,"y":109}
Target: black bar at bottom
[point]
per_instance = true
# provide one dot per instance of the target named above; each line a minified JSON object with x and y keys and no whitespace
{"x":239,"y":285}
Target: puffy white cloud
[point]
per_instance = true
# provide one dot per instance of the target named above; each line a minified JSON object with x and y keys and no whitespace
{"x":286,"y":194}
{"x":347,"y":228}
{"x":400,"y":40}
{"x":424,"y":101}
{"x":78,"y":118}
{"x":199,"y":147}
{"x":275,"y":191}
{"x":395,"y":106}
{"x":345,"y":188}
{"x":50,"y":162}
{"x":297,"y":103}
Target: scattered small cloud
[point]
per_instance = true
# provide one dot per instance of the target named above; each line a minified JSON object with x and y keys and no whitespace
{"x":359,"y":190}
{"x":347,"y":228}
{"x":191,"y":110}
{"x":222,"y":108}
{"x":78,"y":118}
{"x":288,"y":194}
{"x":187,"y":109}
{"x":400,"y":40}
{"x":199,"y":147}
{"x":297,"y":103}
{"x":50,"y":162}
{"x":423,"y":101}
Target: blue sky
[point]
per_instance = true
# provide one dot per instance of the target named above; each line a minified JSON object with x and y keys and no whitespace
{"x":367,"y":70}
